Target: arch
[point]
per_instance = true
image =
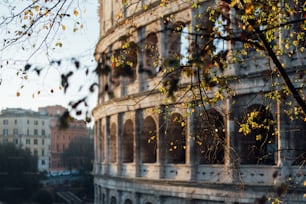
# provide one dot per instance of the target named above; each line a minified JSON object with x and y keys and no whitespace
{"x":258,"y":146}
{"x":151,"y":54}
{"x":148,"y":141}
{"x":124,"y":60}
{"x":131,"y":59}
{"x":128,"y":142}
{"x":128,"y":201}
{"x":113,"y":143}
{"x":210,"y":137}
{"x":113,"y":200}
{"x":176,"y":139}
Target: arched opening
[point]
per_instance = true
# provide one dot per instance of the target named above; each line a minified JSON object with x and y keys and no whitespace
{"x":210,"y":137}
{"x":128,"y":201}
{"x":131,"y":61}
{"x":151,"y":55}
{"x":124,"y":61}
{"x":184,"y":46}
{"x":113,"y":200}
{"x":257,"y":141}
{"x":220,"y":45}
{"x":148,"y":141}
{"x":176,"y":139}
{"x":178,"y":42}
{"x":295,"y":130}
{"x":103,"y":198}
{"x":113,"y":143}
{"x":128,"y":142}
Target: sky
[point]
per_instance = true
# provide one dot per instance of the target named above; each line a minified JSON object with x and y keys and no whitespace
{"x":31,"y":91}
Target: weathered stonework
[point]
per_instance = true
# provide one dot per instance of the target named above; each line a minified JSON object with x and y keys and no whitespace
{"x":136,"y":162}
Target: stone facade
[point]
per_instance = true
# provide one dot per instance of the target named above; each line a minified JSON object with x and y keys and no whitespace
{"x":149,"y":149}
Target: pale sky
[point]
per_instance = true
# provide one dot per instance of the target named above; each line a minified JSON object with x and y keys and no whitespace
{"x":45,"y":90}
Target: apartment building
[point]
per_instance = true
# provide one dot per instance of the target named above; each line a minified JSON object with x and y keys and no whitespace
{"x":28,"y":129}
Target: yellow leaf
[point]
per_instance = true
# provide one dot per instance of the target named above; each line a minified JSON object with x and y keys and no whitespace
{"x":36,"y":8}
{"x":234,"y":2}
{"x":63,"y":27}
{"x":75,"y":12}
{"x":18,"y":94}
{"x":287,"y":46}
{"x":302,"y":49}
{"x":248,"y":9}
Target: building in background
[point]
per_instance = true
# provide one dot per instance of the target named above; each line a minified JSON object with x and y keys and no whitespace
{"x":28,"y":129}
{"x":152,"y":150}
{"x":62,"y":136}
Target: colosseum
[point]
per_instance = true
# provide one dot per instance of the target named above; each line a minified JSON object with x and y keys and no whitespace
{"x":158,"y":141}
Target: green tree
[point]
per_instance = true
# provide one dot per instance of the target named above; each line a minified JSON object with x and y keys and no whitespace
{"x":18,"y":177}
{"x":79,"y":156}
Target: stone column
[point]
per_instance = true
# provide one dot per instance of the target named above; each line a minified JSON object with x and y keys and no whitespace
{"x":137,"y":141}
{"x":139,"y":72}
{"x":282,"y":141}
{"x":119,"y":142}
{"x":231,"y":160}
{"x":161,"y":144}
{"x":107,"y":144}
{"x":191,"y":146}
{"x":96,"y":140}
{"x":163,"y":41}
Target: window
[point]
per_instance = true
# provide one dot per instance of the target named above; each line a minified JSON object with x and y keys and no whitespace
{"x":35,"y":132}
{"x":42,"y":152}
{"x":42,"y":141}
{"x":28,"y":132}
{"x":43,"y":132}
{"x":5,"y":132}
{"x":28,"y":141}
{"x":15,"y":122}
{"x":15,"y":131}
{"x":5,"y":122}
{"x":16,"y":141}
{"x":35,"y":152}
{"x":35,"y":141}
{"x":35,"y":122}
{"x":43,"y":122}
{"x":28,"y":121}
{"x":43,"y":162}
